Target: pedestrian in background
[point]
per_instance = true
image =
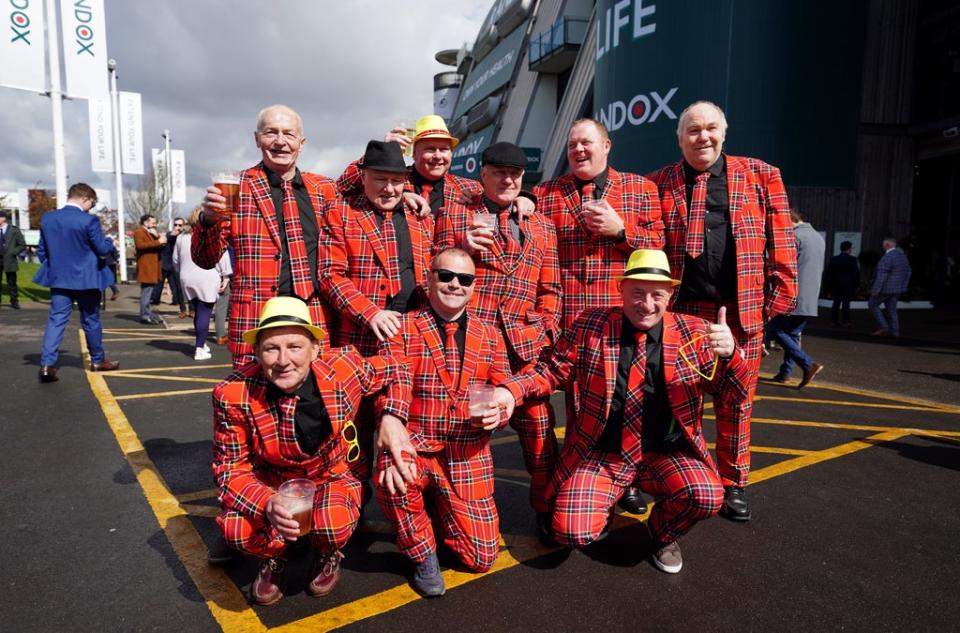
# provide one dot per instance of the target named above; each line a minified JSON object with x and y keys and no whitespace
{"x":843,"y":279}
{"x":200,"y":286}
{"x":222,"y":307}
{"x":149,"y":243}
{"x":11,"y":245}
{"x":788,"y":328}
{"x":168,"y":271}
{"x":889,"y":282}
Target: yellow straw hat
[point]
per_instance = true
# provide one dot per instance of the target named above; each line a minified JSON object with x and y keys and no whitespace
{"x":433,"y":126}
{"x":283,"y":312}
{"x":648,"y":265}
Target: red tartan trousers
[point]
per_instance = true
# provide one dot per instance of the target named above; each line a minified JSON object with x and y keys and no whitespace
{"x":689,"y":489}
{"x":336,"y":510}
{"x":733,"y":422}
{"x":470,"y":528}
{"x":534,"y":421}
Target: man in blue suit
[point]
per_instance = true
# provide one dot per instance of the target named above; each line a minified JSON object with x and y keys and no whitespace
{"x":70,"y":243}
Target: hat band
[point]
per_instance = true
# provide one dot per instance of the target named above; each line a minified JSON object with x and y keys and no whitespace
{"x":283,"y":317}
{"x":647,"y":271}
{"x":437,"y":131}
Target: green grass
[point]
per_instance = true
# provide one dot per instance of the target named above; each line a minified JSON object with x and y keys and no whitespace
{"x":29,"y":291}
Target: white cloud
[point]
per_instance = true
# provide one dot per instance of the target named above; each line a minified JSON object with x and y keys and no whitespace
{"x":352,"y":69}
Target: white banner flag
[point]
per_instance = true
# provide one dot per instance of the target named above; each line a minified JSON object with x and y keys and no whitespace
{"x":159,"y":169}
{"x":178,"y":170}
{"x":131,"y":133}
{"x":22,"y":49}
{"x":84,"y":48}
{"x":101,"y":134}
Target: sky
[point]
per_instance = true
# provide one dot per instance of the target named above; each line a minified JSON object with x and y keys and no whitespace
{"x":205,"y":69}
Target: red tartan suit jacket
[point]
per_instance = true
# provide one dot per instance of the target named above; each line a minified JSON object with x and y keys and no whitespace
{"x":255,"y":235}
{"x":349,"y":184}
{"x":439,"y":415}
{"x":517,"y":289}
{"x":762,"y":232}
{"x":589,"y":265}
{"x":358,"y":268}
{"x":254,"y":440}
{"x":588,"y":354}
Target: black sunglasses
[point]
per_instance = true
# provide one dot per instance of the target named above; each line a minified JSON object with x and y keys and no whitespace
{"x":446,"y":276}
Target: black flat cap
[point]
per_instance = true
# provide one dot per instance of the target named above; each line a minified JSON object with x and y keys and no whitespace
{"x":505,"y":154}
{"x":384,"y":157}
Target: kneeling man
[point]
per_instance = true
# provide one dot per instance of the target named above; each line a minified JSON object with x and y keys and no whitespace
{"x":289,"y":415}
{"x":444,"y":452}
{"x":642,"y":372}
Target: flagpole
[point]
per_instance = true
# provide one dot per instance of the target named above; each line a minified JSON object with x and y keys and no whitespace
{"x":169,"y":173}
{"x":56,"y":100}
{"x":117,"y":168}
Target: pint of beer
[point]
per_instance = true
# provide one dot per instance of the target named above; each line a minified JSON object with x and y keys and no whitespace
{"x":228,"y":182}
{"x":481,"y":398}
{"x":296,"y":495}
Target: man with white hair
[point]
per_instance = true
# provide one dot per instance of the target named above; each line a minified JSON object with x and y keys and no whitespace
{"x":729,"y":238}
{"x":889,"y":282}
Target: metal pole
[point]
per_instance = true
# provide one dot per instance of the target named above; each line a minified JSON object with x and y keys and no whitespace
{"x":56,"y":101}
{"x":169,"y":183}
{"x":117,"y":168}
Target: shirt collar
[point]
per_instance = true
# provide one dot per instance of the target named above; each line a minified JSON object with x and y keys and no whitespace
{"x":653,"y":334}
{"x":600,"y":180}
{"x":717,"y":170}
{"x":276,"y":180}
{"x":418,"y":179}
{"x":494,"y":208}
{"x":307,"y":391}
{"x":461,"y":321}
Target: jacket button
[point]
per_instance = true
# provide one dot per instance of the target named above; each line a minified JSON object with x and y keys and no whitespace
{"x":277,"y":257}
{"x":452,"y":408}
{"x":273,"y":288}
{"x":383,"y":286}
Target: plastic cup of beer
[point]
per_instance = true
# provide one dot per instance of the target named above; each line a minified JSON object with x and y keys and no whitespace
{"x":488,"y":220}
{"x":228,"y":182}
{"x":410,"y":132}
{"x":296,"y":495}
{"x":481,"y":397}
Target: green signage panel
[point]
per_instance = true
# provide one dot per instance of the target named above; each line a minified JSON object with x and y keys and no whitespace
{"x":493,"y":71}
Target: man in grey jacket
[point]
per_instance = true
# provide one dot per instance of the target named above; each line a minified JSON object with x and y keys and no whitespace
{"x":889,"y":282}
{"x":11,"y":245}
{"x":786,"y":329}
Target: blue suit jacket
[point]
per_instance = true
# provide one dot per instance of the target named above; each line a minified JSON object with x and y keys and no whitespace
{"x":70,"y":244}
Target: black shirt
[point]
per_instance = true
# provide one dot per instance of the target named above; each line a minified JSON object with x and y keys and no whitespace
{"x":311,"y":418}
{"x":436,"y":194}
{"x":460,"y":336}
{"x":600,"y":182}
{"x":713,"y":275}
{"x":404,"y":301}
{"x":308,"y":224}
{"x":513,"y":219}
{"x":656,"y":406}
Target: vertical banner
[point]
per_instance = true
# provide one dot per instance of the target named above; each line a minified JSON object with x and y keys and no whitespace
{"x":131,"y":133}
{"x":101,"y":134}
{"x":22,"y":48}
{"x":159,"y":162}
{"x":84,"y":48}
{"x":178,"y":170}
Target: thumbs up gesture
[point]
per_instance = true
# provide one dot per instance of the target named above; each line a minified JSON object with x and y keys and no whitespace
{"x":720,"y":336}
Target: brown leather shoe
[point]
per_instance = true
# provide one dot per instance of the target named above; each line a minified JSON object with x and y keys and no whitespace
{"x":105,"y":365}
{"x":325,"y":573}
{"x":183,"y":314}
{"x":48,"y":374}
{"x":221,"y":340}
{"x":268,"y":586}
{"x":808,"y":374}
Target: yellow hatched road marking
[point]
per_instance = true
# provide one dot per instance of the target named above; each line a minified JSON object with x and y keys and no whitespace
{"x":167,"y":378}
{"x":852,"y":427}
{"x":880,"y":396}
{"x":161,"y":394}
{"x":199,"y":495}
{"x":138,"y":370}
{"x":224,"y":600}
{"x":123,"y":339}
{"x":848,"y":403}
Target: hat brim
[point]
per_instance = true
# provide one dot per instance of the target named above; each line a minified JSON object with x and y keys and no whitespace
{"x":650,"y":277}
{"x":250,"y":336}
{"x":393,"y":169}
{"x":454,"y":141}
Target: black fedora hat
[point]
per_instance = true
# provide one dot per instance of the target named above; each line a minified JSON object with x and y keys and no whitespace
{"x":384,"y":156}
{"x":504,"y":154}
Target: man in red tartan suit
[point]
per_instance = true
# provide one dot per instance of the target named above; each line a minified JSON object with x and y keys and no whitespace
{"x":289,"y":415}
{"x":642,"y":373}
{"x":730,"y":239}
{"x":518,"y":291}
{"x":448,"y":349}
{"x":601,"y":216}
{"x":274,"y":230}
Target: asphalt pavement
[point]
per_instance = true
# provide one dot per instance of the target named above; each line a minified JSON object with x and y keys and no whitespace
{"x":109,"y":506}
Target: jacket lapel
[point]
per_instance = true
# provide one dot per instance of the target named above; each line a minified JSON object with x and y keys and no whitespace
{"x":611,"y":356}
{"x":471,"y":352}
{"x":260,"y":188}
{"x":678,"y":191}
{"x":736,"y":183}
{"x":431,"y":337}
{"x":368,"y":223}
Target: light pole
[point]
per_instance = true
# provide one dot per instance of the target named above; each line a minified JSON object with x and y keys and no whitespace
{"x":56,"y":100}
{"x":117,"y":168}
{"x":169,"y":174}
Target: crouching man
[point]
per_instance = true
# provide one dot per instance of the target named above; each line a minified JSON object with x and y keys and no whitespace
{"x":642,"y":372}
{"x":289,"y":415}
{"x":444,"y":451}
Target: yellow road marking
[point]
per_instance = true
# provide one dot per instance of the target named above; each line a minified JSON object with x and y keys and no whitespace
{"x":880,"y":396}
{"x":199,"y":495}
{"x":167,"y":378}
{"x":174,"y":368}
{"x":848,"y":403}
{"x":790,"y":465}
{"x":851,"y":427}
{"x":224,"y":600}
{"x":161,"y":394}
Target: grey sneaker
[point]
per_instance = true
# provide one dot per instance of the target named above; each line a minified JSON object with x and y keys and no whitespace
{"x":427,"y":579}
{"x":668,"y":558}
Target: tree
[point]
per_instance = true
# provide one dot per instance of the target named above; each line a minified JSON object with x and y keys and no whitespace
{"x":39,"y":201}
{"x":149,"y":198}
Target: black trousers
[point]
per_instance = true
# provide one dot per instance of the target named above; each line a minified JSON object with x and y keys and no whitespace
{"x":12,"y":289}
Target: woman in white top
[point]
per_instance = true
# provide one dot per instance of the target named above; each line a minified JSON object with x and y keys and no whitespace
{"x":200,"y":286}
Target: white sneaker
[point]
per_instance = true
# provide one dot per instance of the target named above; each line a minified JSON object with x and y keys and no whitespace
{"x":202,"y":354}
{"x":206,"y":348}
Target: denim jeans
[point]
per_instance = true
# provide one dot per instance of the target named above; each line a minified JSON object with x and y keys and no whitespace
{"x":786,"y":329}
